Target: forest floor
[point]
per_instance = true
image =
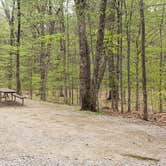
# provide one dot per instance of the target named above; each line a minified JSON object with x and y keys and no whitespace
{"x":44,"y":134}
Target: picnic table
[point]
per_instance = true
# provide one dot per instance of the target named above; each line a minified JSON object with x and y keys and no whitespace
{"x":6,"y":93}
{"x":10,"y":95}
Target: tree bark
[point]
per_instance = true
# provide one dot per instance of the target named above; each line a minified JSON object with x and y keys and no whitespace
{"x":100,"y":59}
{"x":144,"y":87}
{"x":119,"y":54}
{"x":43,"y":73}
{"x":18,"y":81}
{"x":137,"y":70}
{"x":161,"y":62}
{"x":63,"y":49}
{"x":111,"y":61}
{"x":128,"y":34}
{"x":84,"y":56}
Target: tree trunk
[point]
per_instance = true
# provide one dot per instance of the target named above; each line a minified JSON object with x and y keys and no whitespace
{"x":161,"y":62}
{"x":144,"y":88}
{"x":100,"y":59}
{"x":128,"y":31}
{"x":11,"y":24}
{"x":84,"y":56}
{"x":18,"y":82}
{"x":111,"y":62}
{"x":137,"y":71}
{"x":43,"y":74}
{"x":63,"y":49}
{"x":119,"y":52}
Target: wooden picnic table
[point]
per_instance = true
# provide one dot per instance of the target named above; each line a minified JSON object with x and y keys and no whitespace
{"x":6,"y":93}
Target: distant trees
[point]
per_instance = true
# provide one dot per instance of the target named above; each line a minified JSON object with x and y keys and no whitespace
{"x":9,"y":13}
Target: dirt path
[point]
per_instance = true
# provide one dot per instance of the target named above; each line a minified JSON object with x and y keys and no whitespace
{"x":41,"y":134}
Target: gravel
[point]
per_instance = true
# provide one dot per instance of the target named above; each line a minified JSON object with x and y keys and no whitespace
{"x":43,"y":134}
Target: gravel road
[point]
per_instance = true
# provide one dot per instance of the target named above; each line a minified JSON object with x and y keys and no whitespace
{"x":44,"y":134}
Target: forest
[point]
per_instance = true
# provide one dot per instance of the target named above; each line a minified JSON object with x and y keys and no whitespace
{"x":94,"y":53}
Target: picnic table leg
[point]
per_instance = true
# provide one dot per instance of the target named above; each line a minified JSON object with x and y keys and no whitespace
{"x":5,"y":95}
{"x":15,"y":99}
{"x":0,"y":97}
{"x":22,"y":101}
{"x":12,"y":97}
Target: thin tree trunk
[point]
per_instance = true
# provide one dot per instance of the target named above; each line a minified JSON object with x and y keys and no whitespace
{"x":11,"y":24}
{"x":161,"y":63}
{"x":144,"y":88}
{"x":111,"y":62}
{"x":67,"y":90}
{"x":30,"y":59}
{"x":43,"y":63}
{"x":18,"y":82}
{"x":63,"y":49}
{"x":137,"y":71}
{"x":120,"y":53}
{"x":119,"y":56}
{"x":128,"y":31}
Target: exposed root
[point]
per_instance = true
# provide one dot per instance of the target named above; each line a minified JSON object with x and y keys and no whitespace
{"x":141,"y":157}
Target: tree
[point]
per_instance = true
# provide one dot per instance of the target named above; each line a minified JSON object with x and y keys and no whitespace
{"x":113,"y":93}
{"x":145,"y":111}
{"x":100,"y":59}
{"x":128,"y":38}
{"x":18,"y":81}
{"x":84,"y":55}
{"x":11,"y":20}
{"x":161,"y":60}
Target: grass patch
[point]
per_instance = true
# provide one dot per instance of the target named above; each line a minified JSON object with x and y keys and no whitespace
{"x":87,"y":112}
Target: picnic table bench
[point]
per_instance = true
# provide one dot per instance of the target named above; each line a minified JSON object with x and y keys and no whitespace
{"x":15,"y":95}
{"x":6,"y":93}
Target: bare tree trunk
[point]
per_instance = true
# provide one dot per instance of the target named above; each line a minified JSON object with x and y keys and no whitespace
{"x":84,"y":56}
{"x":120,"y":52}
{"x":145,"y":111}
{"x":45,"y":51}
{"x":30,"y":76}
{"x":10,"y":76}
{"x":128,"y":31}
{"x":67,"y":90}
{"x":43,"y":71}
{"x":118,"y":65}
{"x":137,"y":71}
{"x":111,"y":62}
{"x":161,"y":62}
{"x":43,"y":74}
{"x":18,"y":82}
{"x":100,"y":59}
{"x":63,"y":49}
